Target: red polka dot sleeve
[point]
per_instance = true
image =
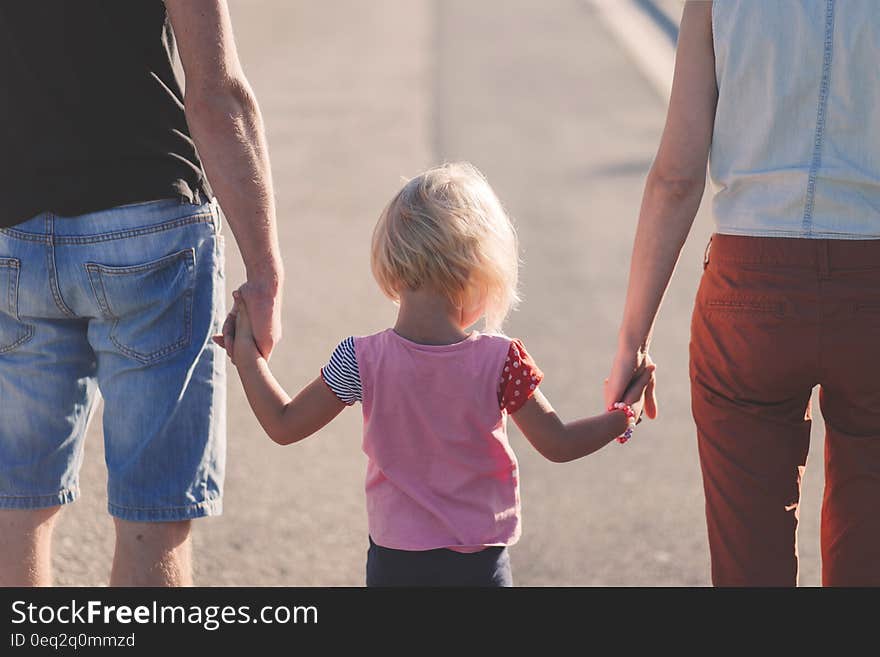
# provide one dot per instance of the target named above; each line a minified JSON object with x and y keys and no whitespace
{"x":520,"y":378}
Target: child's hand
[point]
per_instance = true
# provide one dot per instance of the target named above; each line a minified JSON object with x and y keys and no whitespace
{"x":244,"y":347}
{"x":226,"y":339}
{"x":635,"y":392}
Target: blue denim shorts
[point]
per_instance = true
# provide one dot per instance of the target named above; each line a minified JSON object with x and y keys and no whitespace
{"x":120,"y":303}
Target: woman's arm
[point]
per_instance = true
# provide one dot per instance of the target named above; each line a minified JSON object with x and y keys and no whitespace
{"x":285,"y":420}
{"x":561,"y":442}
{"x":672,"y":195}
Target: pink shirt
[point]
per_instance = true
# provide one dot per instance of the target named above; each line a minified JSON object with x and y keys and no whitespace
{"x":441,"y":472}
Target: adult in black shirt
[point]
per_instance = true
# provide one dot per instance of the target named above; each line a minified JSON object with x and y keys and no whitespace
{"x":92,"y":118}
{"x":93,"y":114}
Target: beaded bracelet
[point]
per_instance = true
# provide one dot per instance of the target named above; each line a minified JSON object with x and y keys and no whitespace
{"x":630,"y":420}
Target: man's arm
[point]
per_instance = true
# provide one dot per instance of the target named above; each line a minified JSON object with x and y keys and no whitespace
{"x":227,"y":128}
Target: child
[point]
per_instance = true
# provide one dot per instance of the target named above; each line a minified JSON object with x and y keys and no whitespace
{"x":442,"y":483}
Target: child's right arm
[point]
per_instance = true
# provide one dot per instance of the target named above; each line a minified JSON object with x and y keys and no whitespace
{"x":559,"y":441}
{"x":285,"y":420}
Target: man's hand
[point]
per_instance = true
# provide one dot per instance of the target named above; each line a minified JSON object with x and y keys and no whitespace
{"x":227,"y":127}
{"x":264,"y":307}
{"x":264,"y":319}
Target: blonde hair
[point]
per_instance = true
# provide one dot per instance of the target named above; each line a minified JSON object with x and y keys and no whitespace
{"x":446,"y":230}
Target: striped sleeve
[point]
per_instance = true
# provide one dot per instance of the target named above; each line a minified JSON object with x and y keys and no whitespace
{"x":341,"y":374}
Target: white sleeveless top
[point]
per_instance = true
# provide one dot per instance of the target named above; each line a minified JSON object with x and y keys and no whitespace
{"x":796,"y":146}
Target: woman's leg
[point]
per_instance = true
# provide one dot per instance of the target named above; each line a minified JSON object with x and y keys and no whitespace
{"x":851,"y":505}
{"x":752,"y":458}
{"x":850,"y":400}
{"x":753,"y":363}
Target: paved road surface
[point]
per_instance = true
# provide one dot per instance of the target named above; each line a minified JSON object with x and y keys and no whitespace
{"x":539,"y":96}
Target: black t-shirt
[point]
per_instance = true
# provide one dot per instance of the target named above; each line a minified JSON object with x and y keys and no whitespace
{"x":91,"y":110}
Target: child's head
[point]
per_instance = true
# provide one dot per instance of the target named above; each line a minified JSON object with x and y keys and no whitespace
{"x":446,"y":231}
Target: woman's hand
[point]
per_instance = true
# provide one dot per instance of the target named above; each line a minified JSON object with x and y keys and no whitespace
{"x":641,"y":389}
{"x":629,"y":365}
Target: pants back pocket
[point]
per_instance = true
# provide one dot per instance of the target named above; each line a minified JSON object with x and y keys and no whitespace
{"x":13,"y":332}
{"x":149,"y":305}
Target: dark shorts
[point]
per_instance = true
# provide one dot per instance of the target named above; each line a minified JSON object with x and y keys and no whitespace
{"x":441,"y":567}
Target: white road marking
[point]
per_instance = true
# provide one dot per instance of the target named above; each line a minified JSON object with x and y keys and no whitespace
{"x":646,"y":42}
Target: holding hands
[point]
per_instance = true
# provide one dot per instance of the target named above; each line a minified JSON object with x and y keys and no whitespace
{"x":264,"y":321}
{"x":639,"y":391}
{"x":238,"y":338}
{"x":633,"y":372}
{"x":630,"y":388}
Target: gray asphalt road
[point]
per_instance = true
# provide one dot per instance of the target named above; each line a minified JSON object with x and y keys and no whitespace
{"x":539,"y":96}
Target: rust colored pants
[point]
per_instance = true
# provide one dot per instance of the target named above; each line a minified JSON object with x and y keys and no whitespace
{"x":773,"y":318}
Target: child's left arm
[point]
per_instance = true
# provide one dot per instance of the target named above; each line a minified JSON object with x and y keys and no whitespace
{"x":285,"y":420}
{"x":560,"y":441}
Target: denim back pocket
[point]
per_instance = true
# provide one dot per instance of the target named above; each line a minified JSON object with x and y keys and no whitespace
{"x":149,"y":305}
{"x":13,"y":332}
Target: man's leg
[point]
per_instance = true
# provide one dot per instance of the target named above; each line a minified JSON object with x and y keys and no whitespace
{"x":159,"y":300}
{"x":25,"y":546}
{"x":47,"y":392}
{"x":152,"y":554}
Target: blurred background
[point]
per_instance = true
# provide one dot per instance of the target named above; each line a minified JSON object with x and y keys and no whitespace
{"x":561,"y":103}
